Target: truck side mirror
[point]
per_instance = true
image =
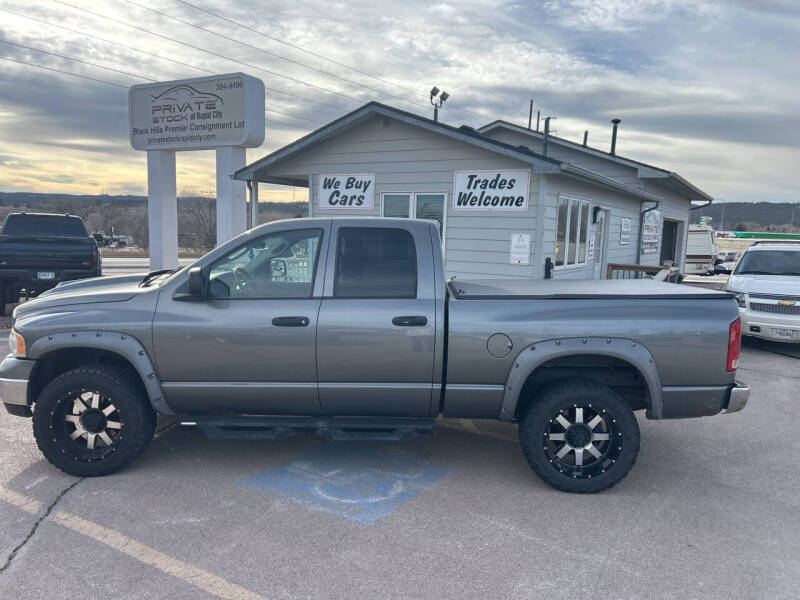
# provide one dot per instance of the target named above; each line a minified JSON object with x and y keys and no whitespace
{"x":196,"y":283}
{"x":194,"y":288}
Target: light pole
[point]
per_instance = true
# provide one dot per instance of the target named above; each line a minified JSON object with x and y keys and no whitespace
{"x":437,"y":102}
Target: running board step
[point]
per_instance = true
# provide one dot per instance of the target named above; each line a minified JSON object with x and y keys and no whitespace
{"x":331,"y":428}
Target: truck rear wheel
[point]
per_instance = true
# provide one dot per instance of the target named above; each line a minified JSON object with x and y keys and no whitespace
{"x":580,"y":436}
{"x":93,"y":420}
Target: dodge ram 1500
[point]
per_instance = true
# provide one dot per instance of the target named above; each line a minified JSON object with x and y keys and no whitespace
{"x":347,"y":328}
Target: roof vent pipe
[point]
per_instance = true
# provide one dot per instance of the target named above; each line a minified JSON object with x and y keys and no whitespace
{"x":616,"y":123}
{"x":530,"y":115}
{"x":546,"y":135}
{"x":585,"y":137}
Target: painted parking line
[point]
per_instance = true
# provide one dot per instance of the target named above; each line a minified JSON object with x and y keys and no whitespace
{"x":353,"y":482}
{"x":208,"y":582}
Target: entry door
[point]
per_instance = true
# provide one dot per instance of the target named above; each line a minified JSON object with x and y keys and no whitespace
{"x":600,"y":245}
{"x":249,"y":346}
{"x":376,"y":330}
{"x":669,"y":238}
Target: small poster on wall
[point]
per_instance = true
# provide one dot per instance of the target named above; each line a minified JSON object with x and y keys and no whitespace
{"x":625,"y":232}
{"x":520,"y":248}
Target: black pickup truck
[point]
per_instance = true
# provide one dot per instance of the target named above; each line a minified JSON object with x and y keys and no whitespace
{"x":38,"y":250}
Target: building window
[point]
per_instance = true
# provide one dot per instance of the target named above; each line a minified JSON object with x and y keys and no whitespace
{"x":571,"y":231}
{"x":416,"y":206}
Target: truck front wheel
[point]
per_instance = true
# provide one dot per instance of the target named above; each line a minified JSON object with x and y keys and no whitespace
{"x":93,"y":420}
{"x":579,"y":436}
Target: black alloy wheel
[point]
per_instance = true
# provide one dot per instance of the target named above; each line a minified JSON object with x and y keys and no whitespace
{"x":580,"y":436}
{"x":93,"y":420}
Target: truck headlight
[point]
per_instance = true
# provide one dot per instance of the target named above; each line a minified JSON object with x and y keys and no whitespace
{"x":740,"y":299}
{"x":17,"y":344}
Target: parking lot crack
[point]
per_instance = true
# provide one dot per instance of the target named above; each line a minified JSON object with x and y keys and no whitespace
{"x":38,"y":522}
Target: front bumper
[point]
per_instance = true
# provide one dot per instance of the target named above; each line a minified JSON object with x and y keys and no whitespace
{"x":764,"y":325}
{"x":14,"y":383}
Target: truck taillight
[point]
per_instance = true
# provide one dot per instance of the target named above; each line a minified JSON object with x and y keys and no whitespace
{"x":95,"y":255}
{"x":734,"y":345}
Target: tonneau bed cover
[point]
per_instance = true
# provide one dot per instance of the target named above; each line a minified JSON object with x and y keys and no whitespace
{"x":520,"y":289}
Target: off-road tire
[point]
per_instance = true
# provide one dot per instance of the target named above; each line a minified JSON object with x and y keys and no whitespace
{"x":616,"y":430}
{"x":117,"y":389}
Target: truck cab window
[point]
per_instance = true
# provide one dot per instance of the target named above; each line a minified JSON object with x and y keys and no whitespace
{"x":279,"y":265}
{"x":374,"y":262}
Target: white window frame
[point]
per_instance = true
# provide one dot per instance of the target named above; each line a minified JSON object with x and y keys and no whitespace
{"x":412,"y":206}
{"x":580,"y":201}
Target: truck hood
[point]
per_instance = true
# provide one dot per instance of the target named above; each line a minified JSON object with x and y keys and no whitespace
{"x":97,"y":289}
{"x":784,"y":285}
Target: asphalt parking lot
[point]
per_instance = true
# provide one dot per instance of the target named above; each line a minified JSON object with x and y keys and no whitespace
{"x":711,"y":510}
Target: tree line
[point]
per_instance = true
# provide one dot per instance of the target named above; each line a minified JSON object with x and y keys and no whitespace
{"x":127,"y":215}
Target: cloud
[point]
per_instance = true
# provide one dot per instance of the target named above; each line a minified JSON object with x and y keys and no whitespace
{"x":705,"y":88}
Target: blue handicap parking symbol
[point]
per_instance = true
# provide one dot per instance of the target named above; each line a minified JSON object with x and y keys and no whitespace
{"x":357,"y":483}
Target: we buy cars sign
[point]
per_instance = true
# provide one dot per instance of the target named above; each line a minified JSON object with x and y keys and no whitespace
{"x":491,"y":190}
{"x":346,"y":191}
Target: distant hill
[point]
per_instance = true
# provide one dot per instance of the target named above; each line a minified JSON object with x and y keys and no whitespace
{"x":762,"y":214}
{"x":197,"y":219}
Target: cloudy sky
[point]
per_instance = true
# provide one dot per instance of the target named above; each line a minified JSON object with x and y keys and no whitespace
{"x":707,"y":89}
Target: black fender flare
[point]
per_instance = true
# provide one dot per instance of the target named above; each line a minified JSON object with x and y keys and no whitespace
{"x":122,"y":344}
{"x":535,"y":355}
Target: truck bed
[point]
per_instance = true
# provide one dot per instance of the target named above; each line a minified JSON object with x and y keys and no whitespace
{"x":542,"y":289}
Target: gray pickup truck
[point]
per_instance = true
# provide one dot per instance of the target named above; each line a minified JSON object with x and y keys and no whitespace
{"x":347,"y":328}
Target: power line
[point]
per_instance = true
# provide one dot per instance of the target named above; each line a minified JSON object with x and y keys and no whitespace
{"x":188,"y":45}
{"x":272,"y":89}
{"x":295,"y":46}
{"x":257,"y":49}
{"x":78,"y":60}
{"x":94,"y":37}
{"x":22,"y":62}
{"x":119,"y":85}
{"x":301,"y":49}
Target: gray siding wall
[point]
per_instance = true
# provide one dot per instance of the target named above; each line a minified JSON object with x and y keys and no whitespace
{"x":620,"y":206}
{"x":405,"y":158}
{"x":674,"y":207}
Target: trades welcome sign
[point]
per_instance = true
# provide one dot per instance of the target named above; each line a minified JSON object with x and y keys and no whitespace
{"x":491,"y":190}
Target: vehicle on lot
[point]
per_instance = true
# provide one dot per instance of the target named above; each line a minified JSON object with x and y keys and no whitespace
{"x":701,"y":250}
{"x":766,"y":282}
{"x":366,"y":340}
{"x":39,"y":250}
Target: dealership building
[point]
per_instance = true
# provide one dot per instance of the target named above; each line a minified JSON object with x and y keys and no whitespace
{"x":510,"y":201}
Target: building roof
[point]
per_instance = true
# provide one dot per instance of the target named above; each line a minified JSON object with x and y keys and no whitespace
{"x":644,"y":170}
{"x":259,"y":170}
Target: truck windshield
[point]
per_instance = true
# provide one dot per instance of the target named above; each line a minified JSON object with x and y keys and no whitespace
{"x":769,"y":262}
{"x":44,"y":226}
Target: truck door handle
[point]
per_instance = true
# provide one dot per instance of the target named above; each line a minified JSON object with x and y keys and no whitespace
{"x":410,"y":321}
{"x":291,"y":321}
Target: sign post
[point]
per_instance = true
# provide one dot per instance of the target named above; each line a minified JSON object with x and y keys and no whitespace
{"x":221,"y":112}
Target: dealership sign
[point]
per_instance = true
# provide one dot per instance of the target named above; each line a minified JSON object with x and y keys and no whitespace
{"x":491,"y":190}
{"x":651,"y":232}
{"x":197,"y":114}
{"x":346,"y":191}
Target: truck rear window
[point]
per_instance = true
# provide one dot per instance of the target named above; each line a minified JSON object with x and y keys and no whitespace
{"x":44,"y":226}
